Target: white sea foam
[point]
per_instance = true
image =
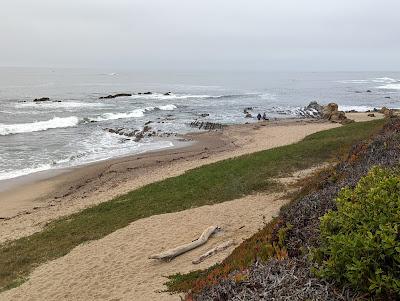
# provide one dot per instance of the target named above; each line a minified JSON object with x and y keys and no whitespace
{"x":63,"y":104}
{"x":98,"y":147}
{"x":390,"y":87}
{"x":22,"y":172}
{"x":354,"y":81}
{"x":168,"y":107}
{"x":132,"y":114}
{"x":56,"y":122}
{"x":356,"y":108}
{"x":114,"y":116}
{"x":385,"y":80}
{"x":158,"y":96}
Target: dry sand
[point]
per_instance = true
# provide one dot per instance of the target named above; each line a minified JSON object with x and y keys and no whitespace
{"x":116,"y":267}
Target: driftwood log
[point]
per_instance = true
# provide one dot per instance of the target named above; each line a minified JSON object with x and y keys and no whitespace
{"x":172,"y":253}
{"x":213,"y":251}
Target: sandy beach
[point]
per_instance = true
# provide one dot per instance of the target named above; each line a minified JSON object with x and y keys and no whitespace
{"x":116,"y":267}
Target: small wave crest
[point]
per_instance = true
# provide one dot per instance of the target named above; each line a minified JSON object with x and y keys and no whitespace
{"x":168,"y":107}
{"x":66,"y":104}
{"x":56,"y":122}
{"x":390,"y":86}
{"x":113,"y":116}
{"x":132,"y":114}
{"x":172,"y":96}
{"x":22,"y":172}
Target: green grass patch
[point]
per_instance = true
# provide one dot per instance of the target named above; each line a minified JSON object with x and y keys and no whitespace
{"x":210,"y":184}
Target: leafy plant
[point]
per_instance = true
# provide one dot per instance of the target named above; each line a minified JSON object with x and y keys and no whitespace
{"x":360,"y":242}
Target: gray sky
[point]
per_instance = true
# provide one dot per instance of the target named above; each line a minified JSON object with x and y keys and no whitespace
{"x":203,"y":34}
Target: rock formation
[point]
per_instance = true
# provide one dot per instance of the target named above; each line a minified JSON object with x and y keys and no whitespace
{"x":328,"y":112}
{"x":115,"y":96}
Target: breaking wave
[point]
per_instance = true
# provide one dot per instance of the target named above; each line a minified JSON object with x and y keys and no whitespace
{"x":132,"y":114}
{"x":56,"y":122}
{"x":64,"y":122}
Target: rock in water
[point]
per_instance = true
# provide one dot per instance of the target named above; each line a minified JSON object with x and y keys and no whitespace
{"x":41,"y":99}
{"x":115,"y":96}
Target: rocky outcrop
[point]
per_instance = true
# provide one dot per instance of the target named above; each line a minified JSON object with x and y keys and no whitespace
{"x":388,"y":113}
{"x":44,"y":99}
{"x":206,"y":125}
{"x":329,"y":112}
{"x":41,"y":99}
{"x":313,"y":110}
{"x":137,"y":135}
{"x":115,"y":96}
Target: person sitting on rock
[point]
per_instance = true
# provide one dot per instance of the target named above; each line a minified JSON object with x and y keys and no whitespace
{"x":259,"y":116}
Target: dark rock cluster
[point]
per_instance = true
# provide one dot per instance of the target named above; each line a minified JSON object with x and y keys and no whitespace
{"x":328,"y":112}
{"x":44,"y":99}
{"x":201,"y":125}
{"x":137,"y":135}
{"x":112,"y":96}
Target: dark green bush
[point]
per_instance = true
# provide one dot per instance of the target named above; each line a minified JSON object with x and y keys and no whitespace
{"x":360,"y":242}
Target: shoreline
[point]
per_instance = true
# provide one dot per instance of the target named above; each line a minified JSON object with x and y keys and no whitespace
{"x":25,"y":211}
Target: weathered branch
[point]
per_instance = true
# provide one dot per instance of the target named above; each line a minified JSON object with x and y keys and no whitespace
{"x":172,"y":253}
{"x":213,"y":251}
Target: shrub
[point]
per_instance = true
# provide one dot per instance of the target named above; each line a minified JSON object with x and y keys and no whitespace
{"x":360,"y":242}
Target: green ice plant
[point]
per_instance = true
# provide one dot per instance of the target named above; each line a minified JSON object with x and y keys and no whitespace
{"x":360,"y":242}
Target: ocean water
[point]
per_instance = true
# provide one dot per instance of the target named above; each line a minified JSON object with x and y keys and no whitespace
{"x":69,"y":130}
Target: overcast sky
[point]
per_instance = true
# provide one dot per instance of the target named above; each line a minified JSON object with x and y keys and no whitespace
{"x":203,"y":34}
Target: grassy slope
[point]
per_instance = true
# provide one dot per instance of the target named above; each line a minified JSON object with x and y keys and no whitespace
{"x":215,"y":183}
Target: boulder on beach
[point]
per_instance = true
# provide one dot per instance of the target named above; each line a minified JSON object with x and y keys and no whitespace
{"x":387,"y":112}
{"x":329,"y":112}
